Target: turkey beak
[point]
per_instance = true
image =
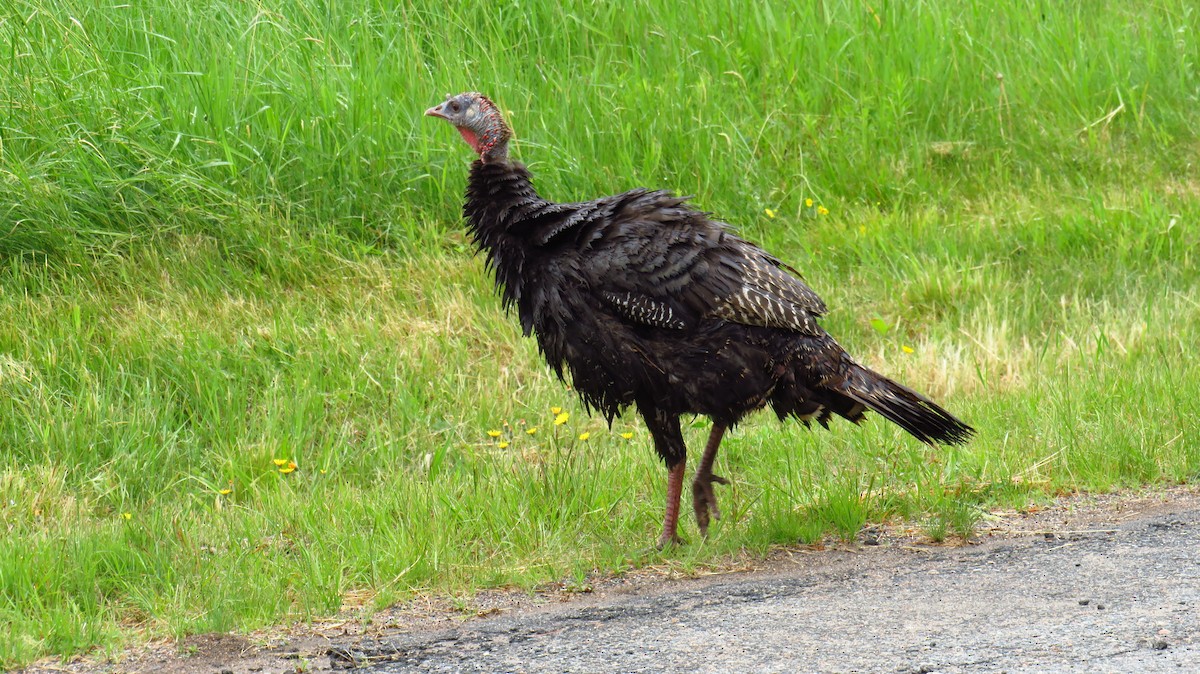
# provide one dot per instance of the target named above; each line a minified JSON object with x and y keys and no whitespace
{"x":436,"y":111}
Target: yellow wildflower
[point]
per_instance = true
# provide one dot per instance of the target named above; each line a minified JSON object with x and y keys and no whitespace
{"x":561,"y":418}
{"x":280,"y":462}
{"x":808,"y":203}
{"x":862,"y":229}
{"x":290,"y":467}
{"x":531,"y":431}
{"x":906,"y":349}
{"x":584,"y":435}
{"x":225,"y":492}
{"x":627,"y":435}
{"x":126,"y":516}
{"x":822,"y":210}
{"x":493,"y":433}
{"x":503,"y":444}
{"x":555,"y":410}
{"x":770,"y":213}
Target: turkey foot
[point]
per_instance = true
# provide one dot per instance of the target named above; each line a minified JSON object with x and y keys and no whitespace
{"x":704,"y":499}
{"x":668,"y":541}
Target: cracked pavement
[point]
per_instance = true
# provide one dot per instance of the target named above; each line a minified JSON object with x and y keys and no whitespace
{"x":1120,"y":597}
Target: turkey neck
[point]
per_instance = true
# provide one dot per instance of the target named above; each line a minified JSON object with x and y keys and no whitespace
{"x":498,"y":195}
{"x":500,"y":198}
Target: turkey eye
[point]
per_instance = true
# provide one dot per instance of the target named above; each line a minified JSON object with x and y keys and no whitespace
{"x":454,"y":106}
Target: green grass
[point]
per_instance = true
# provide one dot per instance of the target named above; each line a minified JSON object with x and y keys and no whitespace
{"x":227,"y":236}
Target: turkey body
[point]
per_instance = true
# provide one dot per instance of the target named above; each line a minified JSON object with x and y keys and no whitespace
{"x":642,"y":300}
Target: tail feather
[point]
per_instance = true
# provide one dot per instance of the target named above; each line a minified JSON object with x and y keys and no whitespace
{"x":921,"y":417}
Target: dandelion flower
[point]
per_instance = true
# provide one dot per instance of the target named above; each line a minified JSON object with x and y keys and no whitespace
{"x":555,"y":410}
{"x":493,"y":433}
{"x":225,"y":492}
{"x":290,"y":467}
{"x":627,"y":435}
{"x":531,"y":431}
{"x":126,"y":516}
{"x":503,"y":444}
{"x":584,"y":435}
{"x":822,"y":210}
{"x":770,"y":213}
{"x":808,"y":203}
{"x":862,"y":229}
{"x":906,"y":349}
{"x":561,"y":418}
{"x":280,"y":462}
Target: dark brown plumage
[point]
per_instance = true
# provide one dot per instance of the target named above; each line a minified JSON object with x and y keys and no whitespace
{"x":645,"y":301}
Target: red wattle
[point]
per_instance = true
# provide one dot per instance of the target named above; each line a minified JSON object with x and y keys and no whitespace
{"x":471,"y":138}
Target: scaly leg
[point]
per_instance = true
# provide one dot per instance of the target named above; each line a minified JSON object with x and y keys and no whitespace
{"x":670,"y":530}
{"x":704,"y":500}
{"x":668,"y":442}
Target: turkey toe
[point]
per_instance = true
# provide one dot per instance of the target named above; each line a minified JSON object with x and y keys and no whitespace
{"x":704,"y":500}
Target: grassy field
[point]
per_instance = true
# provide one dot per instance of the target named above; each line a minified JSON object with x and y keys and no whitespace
{"x":249,"y":367}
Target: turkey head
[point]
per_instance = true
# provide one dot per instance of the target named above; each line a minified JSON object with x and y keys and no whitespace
{"x":479,"y":122}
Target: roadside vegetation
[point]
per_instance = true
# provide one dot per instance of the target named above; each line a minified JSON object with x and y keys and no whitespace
{"x":251,"y":373}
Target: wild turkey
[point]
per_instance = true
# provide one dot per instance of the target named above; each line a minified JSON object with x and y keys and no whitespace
{"x":647,"y":302}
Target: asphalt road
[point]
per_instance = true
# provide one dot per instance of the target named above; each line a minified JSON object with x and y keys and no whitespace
{"x":1115,"y":597}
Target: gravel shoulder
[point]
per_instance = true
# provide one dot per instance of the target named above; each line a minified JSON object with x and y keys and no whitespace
{"x":1106,"y":583}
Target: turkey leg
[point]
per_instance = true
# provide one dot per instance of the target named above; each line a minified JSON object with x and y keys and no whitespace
{"x":704,"y":500}
{"x":671,"y":519}
{"x":668,"y":442}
